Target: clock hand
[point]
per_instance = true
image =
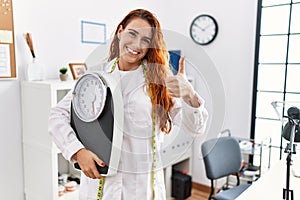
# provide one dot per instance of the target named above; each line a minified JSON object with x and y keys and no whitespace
{"x":207,"y":26}
{"x":196,"y":25}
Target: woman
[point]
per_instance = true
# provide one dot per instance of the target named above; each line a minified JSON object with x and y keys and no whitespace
{"x":152,"y":97}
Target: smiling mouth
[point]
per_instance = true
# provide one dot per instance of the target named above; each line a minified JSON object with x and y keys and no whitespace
{"x":132,"y":51}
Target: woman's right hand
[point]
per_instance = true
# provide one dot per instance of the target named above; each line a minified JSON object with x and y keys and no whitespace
{"x":87,"y":161}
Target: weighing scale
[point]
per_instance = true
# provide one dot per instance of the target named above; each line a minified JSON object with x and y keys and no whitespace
{"x":97,"y":118}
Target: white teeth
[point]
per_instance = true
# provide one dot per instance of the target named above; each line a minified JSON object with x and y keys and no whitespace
{"x":132,"y":51}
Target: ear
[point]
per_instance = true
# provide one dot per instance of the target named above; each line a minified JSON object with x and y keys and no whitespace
{"x":119,"y":31}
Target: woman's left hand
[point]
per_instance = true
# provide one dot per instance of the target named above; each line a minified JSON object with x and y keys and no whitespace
{"x":178,"y":86}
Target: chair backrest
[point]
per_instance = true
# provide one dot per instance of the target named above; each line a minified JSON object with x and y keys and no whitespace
{"x":222,"y":157}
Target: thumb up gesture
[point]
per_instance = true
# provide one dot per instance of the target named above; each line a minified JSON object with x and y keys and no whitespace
{"x":178,"y":85}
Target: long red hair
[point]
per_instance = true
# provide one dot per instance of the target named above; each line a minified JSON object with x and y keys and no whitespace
{"x":158,"y":66}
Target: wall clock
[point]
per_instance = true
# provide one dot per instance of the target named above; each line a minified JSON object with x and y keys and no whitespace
{"x":204,"y":29}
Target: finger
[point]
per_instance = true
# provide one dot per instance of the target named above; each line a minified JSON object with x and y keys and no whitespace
{"x":89,"y":173}
{"x":174,"y":92}
{"x":181,"y":69}
{"x":100,"y":163}
{"x":170,"y":84}
{"x":87,"y":169}
{"x":95,"y":173}
{"x":171,"y":80}
{"x":92,"y":171}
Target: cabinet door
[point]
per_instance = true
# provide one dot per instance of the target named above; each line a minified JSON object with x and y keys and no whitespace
{"x":41,"y":161}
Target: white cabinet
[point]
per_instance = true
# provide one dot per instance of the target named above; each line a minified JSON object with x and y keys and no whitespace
{"x":182,"y":163}
{"x":40,"y":153}
{"x":176,"y":154}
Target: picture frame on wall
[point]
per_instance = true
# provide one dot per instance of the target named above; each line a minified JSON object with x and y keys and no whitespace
{"x":77,"y":69}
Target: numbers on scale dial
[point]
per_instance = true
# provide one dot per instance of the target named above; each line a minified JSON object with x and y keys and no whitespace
{"x":91,"y":98}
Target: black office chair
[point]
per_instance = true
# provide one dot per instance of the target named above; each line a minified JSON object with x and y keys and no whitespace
{"x":222,"y":157}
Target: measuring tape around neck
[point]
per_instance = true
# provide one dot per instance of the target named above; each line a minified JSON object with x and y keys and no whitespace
{"x":153,"y":141}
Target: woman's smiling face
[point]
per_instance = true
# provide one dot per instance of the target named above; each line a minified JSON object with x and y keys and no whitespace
{"x":135,"y":40}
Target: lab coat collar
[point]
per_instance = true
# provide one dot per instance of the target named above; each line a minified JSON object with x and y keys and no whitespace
{"x":116,"y":73}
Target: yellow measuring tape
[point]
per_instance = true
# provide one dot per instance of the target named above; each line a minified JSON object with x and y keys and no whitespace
{"x":153,"y":156}
{"x":153,"y":142}
{"x":100,"y":188}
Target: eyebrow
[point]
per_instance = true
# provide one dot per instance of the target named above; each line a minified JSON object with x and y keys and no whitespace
{"x":138,"y":33}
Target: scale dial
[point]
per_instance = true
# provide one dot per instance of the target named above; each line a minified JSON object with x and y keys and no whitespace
{"x":89,"y":97}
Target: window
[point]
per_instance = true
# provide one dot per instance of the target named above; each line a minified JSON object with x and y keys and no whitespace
{"x":277,"y":68}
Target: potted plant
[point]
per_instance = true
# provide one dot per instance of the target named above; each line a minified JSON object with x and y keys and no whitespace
{"x":63,"y":73}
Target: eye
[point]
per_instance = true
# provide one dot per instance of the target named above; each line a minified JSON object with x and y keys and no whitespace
{"x":132,"y":33}
{"x":146,"y":41}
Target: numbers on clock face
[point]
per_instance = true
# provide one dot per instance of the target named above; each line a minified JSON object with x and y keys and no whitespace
{"x":203,"y":29}
{"x":90,"y":97}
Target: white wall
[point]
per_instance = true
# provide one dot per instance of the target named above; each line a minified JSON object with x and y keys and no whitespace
{"x":55,"y":27}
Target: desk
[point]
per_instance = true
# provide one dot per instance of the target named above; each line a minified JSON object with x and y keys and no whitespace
{"x":271,"y":184}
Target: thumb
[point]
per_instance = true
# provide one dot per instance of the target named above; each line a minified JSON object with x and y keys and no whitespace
{"x":181,"y":69}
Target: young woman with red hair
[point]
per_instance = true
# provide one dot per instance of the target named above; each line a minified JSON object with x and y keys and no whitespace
{"x":154,"y":99}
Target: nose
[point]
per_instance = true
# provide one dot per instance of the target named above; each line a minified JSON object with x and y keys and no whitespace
{"x":138,"y":43}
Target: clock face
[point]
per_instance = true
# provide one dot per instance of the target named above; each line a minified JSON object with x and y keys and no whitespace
{"x":89,"y":97}
{"x":204,"y":29}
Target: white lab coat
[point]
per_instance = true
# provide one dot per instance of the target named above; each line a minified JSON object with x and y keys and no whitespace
{"x":133,"y":180}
